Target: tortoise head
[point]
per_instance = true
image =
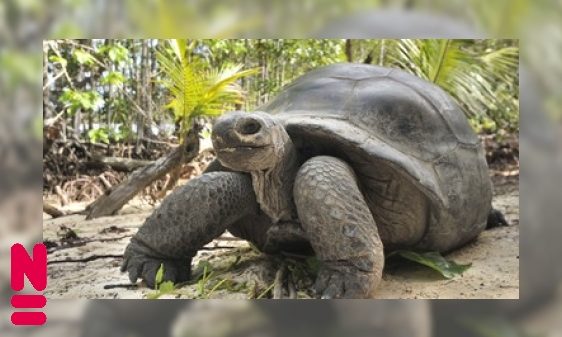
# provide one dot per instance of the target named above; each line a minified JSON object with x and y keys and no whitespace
{"x":249,"y":141}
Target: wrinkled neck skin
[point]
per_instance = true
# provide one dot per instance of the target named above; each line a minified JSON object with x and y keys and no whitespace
{"x":274,"y":186}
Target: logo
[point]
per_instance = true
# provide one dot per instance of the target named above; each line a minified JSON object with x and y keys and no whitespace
{"x":35,"y":268}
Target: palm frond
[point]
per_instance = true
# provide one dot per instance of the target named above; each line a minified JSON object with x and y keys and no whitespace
{"x":195,"y":89}
{"x":468,"y":78}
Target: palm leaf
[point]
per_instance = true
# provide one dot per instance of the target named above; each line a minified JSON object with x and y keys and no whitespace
{"x":470,"y":79}
{"x":195,"y":89}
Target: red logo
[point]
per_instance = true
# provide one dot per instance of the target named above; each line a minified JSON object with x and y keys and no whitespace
{"x":36,"y":271}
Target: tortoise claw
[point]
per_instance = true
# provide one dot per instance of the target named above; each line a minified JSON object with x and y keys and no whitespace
{"x":140,"y":265}
{"x":346,"y":282}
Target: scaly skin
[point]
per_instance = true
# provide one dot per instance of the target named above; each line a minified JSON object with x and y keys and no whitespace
{"x":340,"y":228}
{"x":189,"y":218}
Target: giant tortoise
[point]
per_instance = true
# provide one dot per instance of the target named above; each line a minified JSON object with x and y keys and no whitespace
{"x":348,"y":162}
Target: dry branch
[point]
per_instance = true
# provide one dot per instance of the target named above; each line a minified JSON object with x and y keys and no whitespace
{"x":110,"y":203}
{"x":52,"y":210}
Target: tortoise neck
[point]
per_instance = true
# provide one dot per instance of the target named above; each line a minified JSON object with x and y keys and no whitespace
{"x":274,"y":186}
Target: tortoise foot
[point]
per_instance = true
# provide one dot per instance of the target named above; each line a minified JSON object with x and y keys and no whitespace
{"x":336,"y":281}
{"x":496,"y":219}
{"x":140,"y":265}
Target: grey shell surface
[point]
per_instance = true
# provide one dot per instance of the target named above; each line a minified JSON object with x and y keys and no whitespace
{"x":420,"y":164}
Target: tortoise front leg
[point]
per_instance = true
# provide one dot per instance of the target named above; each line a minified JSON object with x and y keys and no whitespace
{"x":340,"y":227}
{"x":189,"y":218}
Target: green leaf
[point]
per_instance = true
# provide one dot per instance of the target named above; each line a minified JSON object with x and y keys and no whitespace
{"x":166,"y":287}
{"x":448,"y":269}
{"x":153,"y":296}
{"x":468,"y":76}
{"x":113,"y":78}
{"x":196,"y":90}
{"x":58,"y":59}
{"x":159,"y":275}
{"x":203,"y":267}
{"x":100,"y":134}
{"x":116,"y":53}
{"x":83,"y":57}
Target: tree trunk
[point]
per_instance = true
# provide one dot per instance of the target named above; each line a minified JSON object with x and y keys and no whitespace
{"x":109,"y":204}
{"x":146,"y":92}
{"x":92,"y":88}
{"x":382,"y":51}
{"x":139,"y":99}
{"x":77,"y":118}
{"x":108,"y":107}
{"x":348,"y":50}
{"x":50,"y":134}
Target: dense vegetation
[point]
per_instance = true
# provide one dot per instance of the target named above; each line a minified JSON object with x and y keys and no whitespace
{"x":116,"y":88}
{"x":107,"y":103}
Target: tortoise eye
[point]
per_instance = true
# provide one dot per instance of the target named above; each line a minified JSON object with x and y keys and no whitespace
{"x":250,"y":127}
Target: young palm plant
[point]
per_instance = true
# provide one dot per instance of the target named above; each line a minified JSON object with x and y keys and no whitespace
{"x":475,"y":79}
{"x":197,"y":90}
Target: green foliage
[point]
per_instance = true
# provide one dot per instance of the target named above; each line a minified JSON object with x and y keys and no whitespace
{"x":448,"y":269}
{"x":86,"y":100}
{"x":162,"y":288}
{"x":207,"y":282}
{"x":57,"y":59}
{"x":469,"y":77}
{"x":204,"y":77}
{"x":280,"y":60}
{"x":197,"y":90}
{"x":113,"y":78}
{"x":116,"y":53}
{"x":83,"y":57}
{"x":104,"y":134}
{"x":97,"y":135}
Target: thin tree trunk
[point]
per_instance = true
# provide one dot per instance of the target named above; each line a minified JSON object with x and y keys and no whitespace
{"x":109,"y":42}
{"x":147,"y":94}
{"x":139,"y":100}
{"x":110,"y":203}
{"x":77,"y":118}
{"x":93,"y":88}
{"x":349,"y":50}
{"x":381,"y":55}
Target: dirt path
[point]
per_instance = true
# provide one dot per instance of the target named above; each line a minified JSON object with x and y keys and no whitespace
{"x":494,"y":257}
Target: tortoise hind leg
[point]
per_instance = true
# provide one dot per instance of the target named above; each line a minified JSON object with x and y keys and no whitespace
{"x":496,"y":219}
{"x":340,"y":227}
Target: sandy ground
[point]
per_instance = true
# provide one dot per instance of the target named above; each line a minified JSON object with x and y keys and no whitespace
{"x":494,"y":257}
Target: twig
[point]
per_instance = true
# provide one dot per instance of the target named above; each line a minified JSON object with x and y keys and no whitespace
{"x":84,"y":242}
{"x":52,"y":210}
{"x":291,"y":285}
{"x":86,"y":259}
{"x":279,"y":278}
{"x":128,"y":286}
